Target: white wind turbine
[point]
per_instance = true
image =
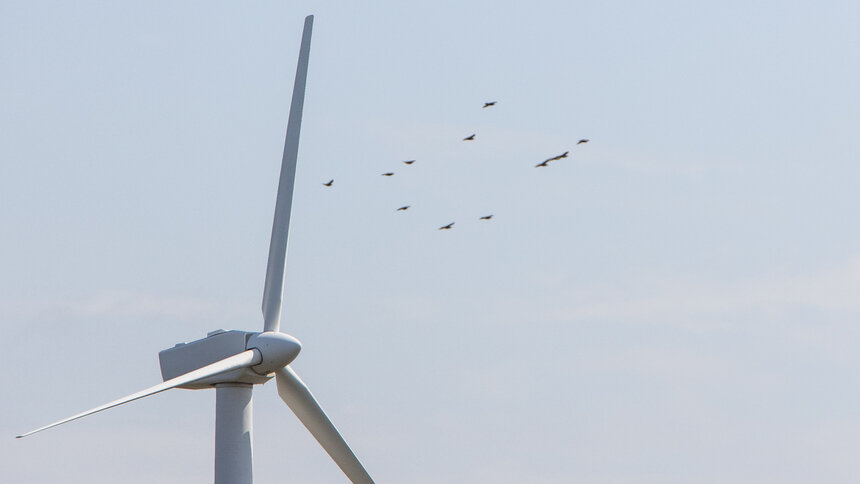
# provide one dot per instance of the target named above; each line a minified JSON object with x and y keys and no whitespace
{"x":233,"y":361}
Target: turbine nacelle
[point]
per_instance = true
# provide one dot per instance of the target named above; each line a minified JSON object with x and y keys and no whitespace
{"x":275,"y":350}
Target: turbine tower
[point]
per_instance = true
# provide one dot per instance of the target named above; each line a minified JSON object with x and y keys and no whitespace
{"x":232,"y":362}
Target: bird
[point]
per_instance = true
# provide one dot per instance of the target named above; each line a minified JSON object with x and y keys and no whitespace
{"x":582,"y":141}
{"x":469,"y":138}
{"x":447,"y":227}
{"x":403,"y":208}
{"x":388,"y":174}
{"x":330,"y":182}
{"x":491,"y":103}
{"x":554,"y":158}
{"x":487,"y":217}
{"x":409,"y":162}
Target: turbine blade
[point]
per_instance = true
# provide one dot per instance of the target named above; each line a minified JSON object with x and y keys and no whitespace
{"x":246,"y":358}
{"x":301,"y":401}
{"x":273,"y":290}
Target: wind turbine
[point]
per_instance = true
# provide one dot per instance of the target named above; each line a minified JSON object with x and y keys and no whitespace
{"x":233,"y":362}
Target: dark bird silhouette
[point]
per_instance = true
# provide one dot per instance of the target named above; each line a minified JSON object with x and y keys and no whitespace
{"x":390,"y":173}
{"x":491,"y":103}
{"x":554,"y":158}
{"x":582,"y":141}
{"x":409,"y":162}
{"x":487,"y":217}
{"x":469,"y":138}
{"x":563,"y":155}
{"x":447,"y":227}
{"x":330,"y":182}
{"x":404,"y":208}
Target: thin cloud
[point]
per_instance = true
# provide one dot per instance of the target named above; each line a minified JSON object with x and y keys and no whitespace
{"x":120,"y":304}
{"x":833,"y":290}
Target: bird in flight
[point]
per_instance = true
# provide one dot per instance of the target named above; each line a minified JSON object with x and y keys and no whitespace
{"x":330,"y":182}
{"x":582,"y":141}
{"x":491,"y":103}
{"x":469,"y":138}
{"x":487,"y":217}
{"x":447,"y":227}
{"x":404,"y":208}
{"x":390,"y":173}
{"x":563,"y":155}
{"x":409,"y":162}
{"x":554,"y":158}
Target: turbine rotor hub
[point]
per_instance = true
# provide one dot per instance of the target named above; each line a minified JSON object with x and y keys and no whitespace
{"x":277,"y":350}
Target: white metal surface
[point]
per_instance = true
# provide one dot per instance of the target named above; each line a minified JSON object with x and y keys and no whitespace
{"x":242,"y":360}
{"x":233,"y":442}
{"x":274,"y":287}
{"x":278,"y":350}
{"x":185,"y":357}
{"x":301,"y":401}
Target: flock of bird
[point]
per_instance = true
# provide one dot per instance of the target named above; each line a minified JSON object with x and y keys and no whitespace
{"x":471,"y":137}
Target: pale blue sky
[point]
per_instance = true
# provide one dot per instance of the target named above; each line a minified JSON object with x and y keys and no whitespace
{"x":676,"y":302}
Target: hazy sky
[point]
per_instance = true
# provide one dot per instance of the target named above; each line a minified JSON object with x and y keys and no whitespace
{"x":675,"y":302}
